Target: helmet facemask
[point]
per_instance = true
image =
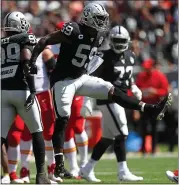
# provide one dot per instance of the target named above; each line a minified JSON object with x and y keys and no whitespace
{"x":118,"y":44}
{"x":94,"y":18}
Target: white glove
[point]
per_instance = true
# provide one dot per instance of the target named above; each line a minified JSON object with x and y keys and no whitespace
{"x":136,"y":92}
{"x":87,"y":109}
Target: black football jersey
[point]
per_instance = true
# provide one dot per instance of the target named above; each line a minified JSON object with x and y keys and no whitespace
{"x":74,"y":58}
{"x":12,"y":75}
{"x":117,"y":68}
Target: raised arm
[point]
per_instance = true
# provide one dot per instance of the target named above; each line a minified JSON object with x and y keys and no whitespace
{"x":51,"y":39}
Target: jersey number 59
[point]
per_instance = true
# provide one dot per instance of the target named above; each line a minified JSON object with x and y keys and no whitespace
{"x":80,"y":57}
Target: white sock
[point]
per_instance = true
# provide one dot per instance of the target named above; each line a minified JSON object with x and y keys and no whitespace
{"x":26,"y":153}
{"x":90,"y":165}
{"x":82,"y":144}
{"x":13,"y":158}
{"x":122,"y":166}
{"x":49,"y":152}
{"x":70,"y":154}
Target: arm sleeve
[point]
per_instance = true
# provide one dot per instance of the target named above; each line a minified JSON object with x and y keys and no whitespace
{"x":30,"y":79}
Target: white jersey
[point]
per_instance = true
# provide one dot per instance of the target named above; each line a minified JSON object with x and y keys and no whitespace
{"x":42,"y":82}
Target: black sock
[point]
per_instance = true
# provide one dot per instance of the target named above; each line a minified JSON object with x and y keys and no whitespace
{"x":59,"y":158}
{"x":120,"y":149}
{"x":39,"y":151}
{"x":126,"y":101}
{"x":100,"y":148}
{"x":59,"y":138}
{"x":59,"y":133}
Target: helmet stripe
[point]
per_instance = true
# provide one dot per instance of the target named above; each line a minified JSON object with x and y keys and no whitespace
{"x":7,"y":18}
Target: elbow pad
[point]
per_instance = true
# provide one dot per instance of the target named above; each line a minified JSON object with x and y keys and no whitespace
{"x":50,"y":64}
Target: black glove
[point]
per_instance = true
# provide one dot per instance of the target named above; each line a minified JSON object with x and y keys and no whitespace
{"x":29,"y":101}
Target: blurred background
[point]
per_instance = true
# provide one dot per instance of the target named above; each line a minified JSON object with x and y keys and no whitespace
{"x":153,"y":27}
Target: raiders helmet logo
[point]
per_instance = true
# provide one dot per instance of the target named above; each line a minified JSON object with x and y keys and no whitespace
{"x":86,"y":12}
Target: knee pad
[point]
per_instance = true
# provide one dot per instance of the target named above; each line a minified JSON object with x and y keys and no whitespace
{"x":61,"y":124}
{"x":121,"y":137}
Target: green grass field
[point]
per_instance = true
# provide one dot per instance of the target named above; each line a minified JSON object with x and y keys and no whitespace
{"x":151,"y":168}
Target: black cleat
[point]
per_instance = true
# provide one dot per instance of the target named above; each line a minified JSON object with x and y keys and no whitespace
{"x":41,"y":178}
{"x":61,"y":172}
{"x":161,"y":107}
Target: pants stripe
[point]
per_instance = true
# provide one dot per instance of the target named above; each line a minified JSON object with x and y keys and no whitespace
{"x":114,"y":119}
{"x":54,"y":103}
{"x":40,"y":115}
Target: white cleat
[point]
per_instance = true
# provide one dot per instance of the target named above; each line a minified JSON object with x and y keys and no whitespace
{"x":17,"y":181}
{"x":53,"y":182}
{"x":53,"y":178}
{"x":26,"y":179}
{"x":75,"y":172}
{"x":89,"y":176}
{"x":128,"y":176}
{"x":172,"y":176}
{"x":5,"y":180}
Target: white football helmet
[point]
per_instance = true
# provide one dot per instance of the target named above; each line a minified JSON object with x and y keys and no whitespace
{"x":119,"y":39}
{"x":15,"y":21}
{"x":94,"y":15}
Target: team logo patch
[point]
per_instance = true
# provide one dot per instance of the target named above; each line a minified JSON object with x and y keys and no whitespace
{"x":101,"y":40}
{"x":132,"y":60}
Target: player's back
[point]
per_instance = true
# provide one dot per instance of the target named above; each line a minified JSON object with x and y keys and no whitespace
{"x":12,"y":76}
{"x":74,"y":57}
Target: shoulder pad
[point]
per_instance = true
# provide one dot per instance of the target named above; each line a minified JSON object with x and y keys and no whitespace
{"x":71,"y":29}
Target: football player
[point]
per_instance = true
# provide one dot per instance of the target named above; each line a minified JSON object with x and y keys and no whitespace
{"x":117,"y":68}
{"x":75,"y":130}
{"x":79,"y":44}
{"x":18,"y":89}
{"x":19,"y":133}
